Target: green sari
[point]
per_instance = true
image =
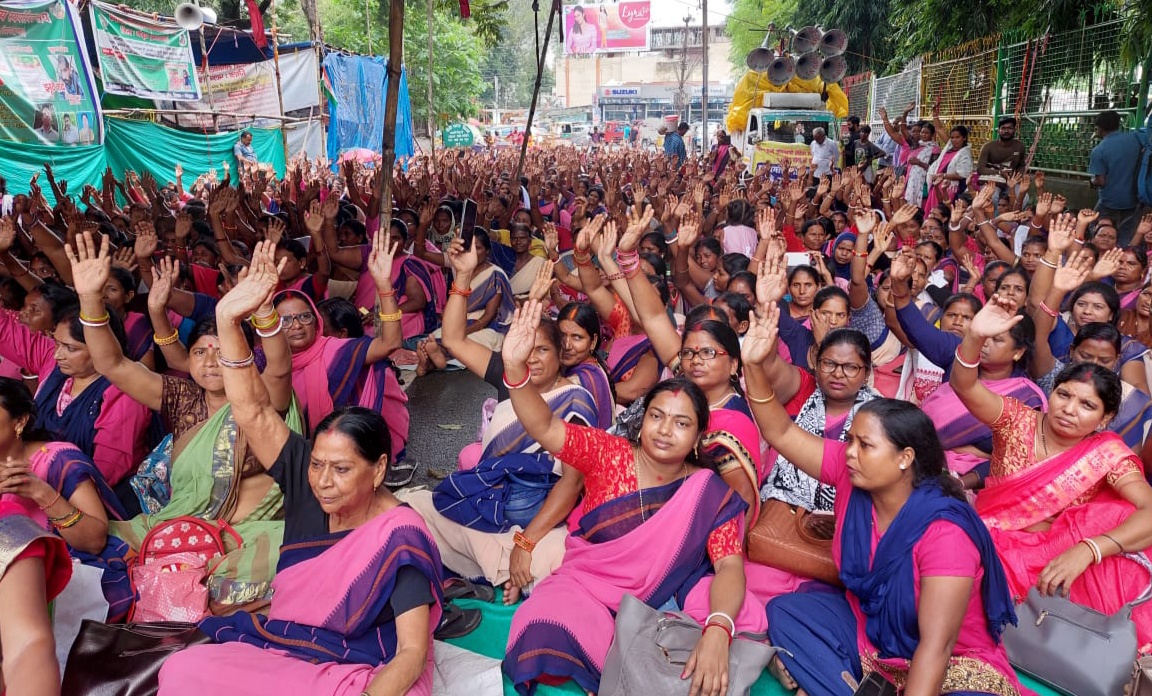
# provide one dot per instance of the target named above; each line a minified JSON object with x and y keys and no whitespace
{"x":205,"y":479}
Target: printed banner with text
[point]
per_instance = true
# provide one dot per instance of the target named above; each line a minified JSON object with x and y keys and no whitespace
{"x":142,"y":57}
{"x":46,"y":88}
{"x":606,"y":27}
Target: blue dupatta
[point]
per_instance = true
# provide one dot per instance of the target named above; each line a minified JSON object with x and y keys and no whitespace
{"x":592,"y":377}
{"x":484,"y":289}
{"x":885,"y":585}
{"x":78,"y":422}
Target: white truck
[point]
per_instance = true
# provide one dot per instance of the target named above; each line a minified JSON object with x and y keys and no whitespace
{"x":782,"y":129}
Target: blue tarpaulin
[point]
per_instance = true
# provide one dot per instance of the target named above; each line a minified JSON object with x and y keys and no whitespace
{"x":360,"y":88}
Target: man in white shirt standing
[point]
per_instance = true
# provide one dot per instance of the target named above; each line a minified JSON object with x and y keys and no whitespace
{"x":825,"y":153}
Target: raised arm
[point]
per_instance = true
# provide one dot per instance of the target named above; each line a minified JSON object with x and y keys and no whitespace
{"x":994,"y":319}
{"x":454,"y":336}
{"x":653,"y":318}
{"x":587,"y":242}
{"x":1067,"y":278}
{"x":252,"y":406}
{"x":798,"y":446}
{"x":175,"y":353}
{"x":91,"y":266}
{"x":277,"y":374}
{"x":541,"y":424}
{"x":389,"y":336}
{"x":1059,"y":240}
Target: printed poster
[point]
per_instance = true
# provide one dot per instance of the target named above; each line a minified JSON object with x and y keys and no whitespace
{"x":46,"y":88}
{"x":606,"y":27}
{"x":141,"y":57}
{"x":235,"y":96}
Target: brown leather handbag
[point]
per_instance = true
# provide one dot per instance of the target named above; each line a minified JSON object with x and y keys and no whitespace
{"x":124,"y":659}
{"x":793,"y":539}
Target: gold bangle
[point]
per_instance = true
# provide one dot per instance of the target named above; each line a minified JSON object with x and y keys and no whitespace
{"x":394,"y":316}
{"x":166,"y":341}
{"x":264,"y":323}
{"x":71,"y":521}
{"x":766,"y":400}
{"x":103,"y":319}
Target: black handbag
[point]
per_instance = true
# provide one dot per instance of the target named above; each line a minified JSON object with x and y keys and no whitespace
{"x":124,"y":659}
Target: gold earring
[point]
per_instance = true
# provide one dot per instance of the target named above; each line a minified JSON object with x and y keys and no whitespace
{"x":19,"y":432}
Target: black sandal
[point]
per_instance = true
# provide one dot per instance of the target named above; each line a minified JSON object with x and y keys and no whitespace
{"x":462,"y":588}
{"x":401,"y":474}
{"x":457,"y":622}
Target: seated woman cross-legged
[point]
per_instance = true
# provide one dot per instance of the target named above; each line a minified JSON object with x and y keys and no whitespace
{"x":357,"y":592}
{"x":1065,"y":496}
{"x":478,"y":528}
{"x":656,"y":522}
{"x":926,"y":595}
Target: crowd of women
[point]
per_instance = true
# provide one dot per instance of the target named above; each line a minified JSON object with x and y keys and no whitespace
{"x":953,"y":371}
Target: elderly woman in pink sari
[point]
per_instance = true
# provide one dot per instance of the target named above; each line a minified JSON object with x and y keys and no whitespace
{"x":357,"y":592}
{"x":1066,"y":499}
{"x":330,"y":373}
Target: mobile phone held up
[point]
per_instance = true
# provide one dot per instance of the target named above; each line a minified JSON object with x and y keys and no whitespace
{"x":468,"y":223}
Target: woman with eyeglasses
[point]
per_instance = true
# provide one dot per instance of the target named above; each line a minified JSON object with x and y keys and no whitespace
{"x":331,"y":373}
{"x":213,"y":473}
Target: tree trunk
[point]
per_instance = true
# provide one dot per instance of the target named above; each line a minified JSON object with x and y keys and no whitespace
{"x":395,"y":65}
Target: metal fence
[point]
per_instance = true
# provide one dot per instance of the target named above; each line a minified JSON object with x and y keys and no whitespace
{"x":1055,"y":83}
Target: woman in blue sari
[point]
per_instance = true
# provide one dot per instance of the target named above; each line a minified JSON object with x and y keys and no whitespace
{"x":357,"y":591}
{"x":905,"y":540}
{"x":480,"y":531}
{"x":489,"y":300}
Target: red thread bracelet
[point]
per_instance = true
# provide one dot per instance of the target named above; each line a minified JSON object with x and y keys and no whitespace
{"x":527,"y":378}
{"x":722,"y":627}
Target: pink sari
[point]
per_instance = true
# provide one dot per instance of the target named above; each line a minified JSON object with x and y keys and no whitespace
{"x":331,"y":374}
{"x":1048,"y":490}
{"x":933,"y":198}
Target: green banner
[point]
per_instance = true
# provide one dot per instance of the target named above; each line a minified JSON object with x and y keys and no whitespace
{"x":142,"y":57}
{"x":46,"y":88}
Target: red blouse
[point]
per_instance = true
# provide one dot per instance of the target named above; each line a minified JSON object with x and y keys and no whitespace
{"x":608,"y":464}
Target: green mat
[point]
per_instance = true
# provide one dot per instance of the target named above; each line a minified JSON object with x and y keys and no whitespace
{"x":491,"y":638}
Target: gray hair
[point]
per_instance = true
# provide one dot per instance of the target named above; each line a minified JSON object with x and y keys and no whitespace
{"x":818,"y":131}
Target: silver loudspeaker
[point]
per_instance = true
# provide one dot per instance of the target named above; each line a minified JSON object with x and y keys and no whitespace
{"x":782,"y":70}
{"x":833,"y":69}
{"x":833,"y":43}
{"x":191,"y":16}
{"x":808,"y":66}
{"x":759,"y":59}
{"x":806,"y":40}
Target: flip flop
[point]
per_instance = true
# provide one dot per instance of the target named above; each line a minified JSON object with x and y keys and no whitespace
{"x":461,"y":588}
{"x":401,"y":474}
{"x":457,"y":622}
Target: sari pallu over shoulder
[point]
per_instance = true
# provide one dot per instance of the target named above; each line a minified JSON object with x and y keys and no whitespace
{"x":330,"y":591}
{"x":485,"y":286}
{"x":64,"y":467}
{"x":593,"y":378}
{"x":564,"y":629}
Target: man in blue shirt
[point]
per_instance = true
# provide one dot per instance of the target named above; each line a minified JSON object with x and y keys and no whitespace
{"x":245,"y":155}
{"x":674,"y":147}
{"x":1112,"y":166}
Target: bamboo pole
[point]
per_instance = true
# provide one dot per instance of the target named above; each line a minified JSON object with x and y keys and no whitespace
{"x":555,"y":10}
{"x":431,"y":108}
{"x":395,"y":65}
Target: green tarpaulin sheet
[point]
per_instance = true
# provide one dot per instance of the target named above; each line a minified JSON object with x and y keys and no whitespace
{"x":137,"y":145}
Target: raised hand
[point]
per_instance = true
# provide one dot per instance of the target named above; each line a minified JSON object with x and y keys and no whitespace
{"x":587,"y":234}
{"x":253,"y":289}
{"x":766,"y":223}
{"x":1073,"y":273}
{"x":771,"y":281}
{"x":551,"y":238}
{"x":91,"y":265}
{"x":542,"y":285}
{"x":689,"y":231}
{"x":380,"y":261}
{"x":638,"y":226}
{"x":759,"y":342}
{"x":126,"y":259}
{"x":1108,"y":263}
{"x":274,"y":231}
{"x":882,"y":239}
{"x":521,"y":336}
{"x":903,"y":265}
{"x":906,"y":213}
{"x":996,"y":318}
{"x":464,"y":261}
{"x":1061,"y":232}
{"x":1043,"y":203}
{"x":866,"y":221}
{"x":146,"y":240}
{"x":7,"y":233}
{"x":1144,"y":229}
{"x":163,"y":279}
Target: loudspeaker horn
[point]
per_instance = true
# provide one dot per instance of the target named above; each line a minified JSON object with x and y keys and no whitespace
{"x":782,"y":70}
{"x":806,"y":40}
{"x":209,"y":15}
{"x":759,"y":59}
{"x":833,"y":69}
{"x":189,"y":16}
{"x":808,"y":66}
{"x":833,"y":43}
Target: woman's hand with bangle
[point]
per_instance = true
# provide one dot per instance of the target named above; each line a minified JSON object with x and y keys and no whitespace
{"x":707,"y":666}
{"x":1058,"y":576}
{"x":380,"y":261}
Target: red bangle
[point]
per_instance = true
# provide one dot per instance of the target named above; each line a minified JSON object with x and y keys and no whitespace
{"x":457,"y":291}
{"x":523,"y":542}
{"x":390,"y":293}
{"x":860,"y":254}
{"x":524,"y":383}
{"x":722,"y":627}
{"x":1048,"y":310}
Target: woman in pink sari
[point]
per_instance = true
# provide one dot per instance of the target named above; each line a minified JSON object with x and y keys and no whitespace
{"x":948,"y":174}
{"x":1065,"y":498}
{"x":357,"y":590}
{"x":330,"y":373}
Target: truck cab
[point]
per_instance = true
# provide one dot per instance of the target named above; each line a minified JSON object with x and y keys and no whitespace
{"x":782,"y":129}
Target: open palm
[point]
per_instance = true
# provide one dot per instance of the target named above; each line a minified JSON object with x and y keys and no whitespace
{"x":90,"y":267}
{"x":760,"y":340}
{"x":521,"y":337}
{"x":994,"y":319}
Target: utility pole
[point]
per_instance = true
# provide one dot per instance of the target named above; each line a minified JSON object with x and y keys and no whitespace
{"x":431,"y":107}
{"x":682,"y":93}
{"x":496,"y":102}
{"x":704,"y":73}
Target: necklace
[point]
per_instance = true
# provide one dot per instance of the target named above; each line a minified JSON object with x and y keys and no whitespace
{"x":715,"y":404}
{"x":640,"y":488}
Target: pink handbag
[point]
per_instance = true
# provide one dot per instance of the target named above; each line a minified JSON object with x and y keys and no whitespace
{"x":171,"y":590}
